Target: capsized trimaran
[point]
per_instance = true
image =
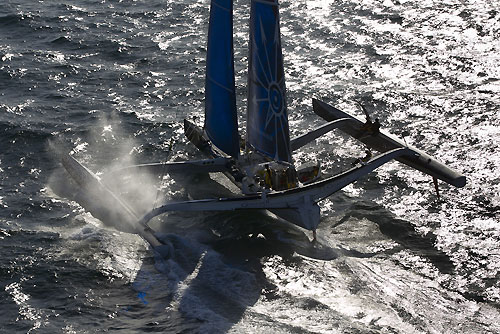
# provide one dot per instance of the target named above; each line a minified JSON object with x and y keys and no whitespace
{"x":263,"y":169}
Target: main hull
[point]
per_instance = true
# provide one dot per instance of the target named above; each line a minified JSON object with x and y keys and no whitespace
{"x":298,"y":205}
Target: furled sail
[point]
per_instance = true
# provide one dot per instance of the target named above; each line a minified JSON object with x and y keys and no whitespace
{"x":267,"y":119}
{"x":221,"y":124}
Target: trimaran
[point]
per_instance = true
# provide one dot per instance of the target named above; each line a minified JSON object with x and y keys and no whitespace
{"x":261,"y":164}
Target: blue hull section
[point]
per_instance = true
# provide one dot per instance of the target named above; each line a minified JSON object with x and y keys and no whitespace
{"x":267,"y":119}
{"x":221,"y":124}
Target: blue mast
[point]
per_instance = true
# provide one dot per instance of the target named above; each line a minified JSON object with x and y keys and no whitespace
{"x":221,"y":123}
{"x":267,"y":119}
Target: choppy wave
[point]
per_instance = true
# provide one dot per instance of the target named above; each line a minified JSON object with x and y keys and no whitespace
{"x":114,"y":80}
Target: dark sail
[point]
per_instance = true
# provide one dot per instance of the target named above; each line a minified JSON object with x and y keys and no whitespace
{"x":221,"y":124}
{"x":267,"y":119}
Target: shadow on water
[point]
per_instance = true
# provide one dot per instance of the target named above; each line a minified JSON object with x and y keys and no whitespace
{"x":403,"y":233}
{"x":195,"y":288}
{"x":255,"y":233}
{"x":212,"y":272}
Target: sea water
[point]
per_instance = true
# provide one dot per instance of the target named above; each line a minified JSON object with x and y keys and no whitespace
{"x":111,"y":81}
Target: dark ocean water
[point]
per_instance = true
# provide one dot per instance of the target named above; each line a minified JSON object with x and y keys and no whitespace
{"x":112,"y":81}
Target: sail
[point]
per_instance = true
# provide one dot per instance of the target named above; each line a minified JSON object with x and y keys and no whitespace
{"x":221,"y":124}
{"x":267,"y":119}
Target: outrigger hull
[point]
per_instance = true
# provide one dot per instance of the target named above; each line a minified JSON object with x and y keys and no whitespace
{"x":384,"y":142}
{"x":102,"y":203}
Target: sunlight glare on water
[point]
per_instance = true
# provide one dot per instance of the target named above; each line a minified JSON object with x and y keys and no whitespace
{"x":113,"y":81}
